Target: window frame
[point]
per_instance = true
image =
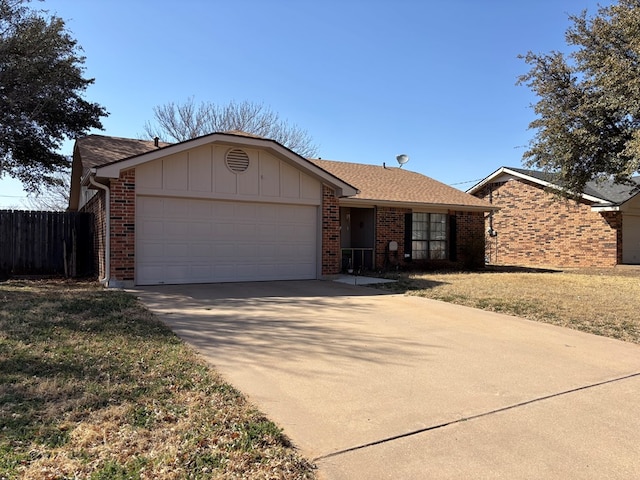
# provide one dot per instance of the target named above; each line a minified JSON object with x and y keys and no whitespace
{"x":429,"y":242}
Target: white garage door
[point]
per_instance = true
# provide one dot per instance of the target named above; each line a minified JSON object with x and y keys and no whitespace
{"x":200,"y":241}
{"x":631,"y":239}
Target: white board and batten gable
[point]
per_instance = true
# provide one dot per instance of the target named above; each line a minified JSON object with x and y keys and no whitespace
{"x":207,"y":172}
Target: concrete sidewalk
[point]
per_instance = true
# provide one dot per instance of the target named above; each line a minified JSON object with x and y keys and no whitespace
{"x":387,"y":386}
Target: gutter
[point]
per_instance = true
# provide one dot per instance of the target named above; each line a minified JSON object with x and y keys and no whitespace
{"x":605,"y":208}
{"x":107,"y":220}
{"x":368,"y":203}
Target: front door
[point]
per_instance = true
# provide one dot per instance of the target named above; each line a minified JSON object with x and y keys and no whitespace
{"x":357,"y":238}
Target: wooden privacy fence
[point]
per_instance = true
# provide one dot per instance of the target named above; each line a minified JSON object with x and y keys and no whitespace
{"x":46,"y":243}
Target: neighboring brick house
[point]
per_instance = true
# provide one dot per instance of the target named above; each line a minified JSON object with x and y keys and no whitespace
{"x":236,"y":207}
{"x":534,"y":226}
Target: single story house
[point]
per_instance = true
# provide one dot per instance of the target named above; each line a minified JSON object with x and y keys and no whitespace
{"x":231,"y":206}
{"x":535,"y":227}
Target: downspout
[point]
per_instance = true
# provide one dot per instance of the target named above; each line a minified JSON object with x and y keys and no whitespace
{"x":107,"y":227}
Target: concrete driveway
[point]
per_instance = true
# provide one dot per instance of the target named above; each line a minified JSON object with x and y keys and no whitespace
{"x":388,"y":386}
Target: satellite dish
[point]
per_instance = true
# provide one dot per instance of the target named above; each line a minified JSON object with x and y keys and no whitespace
{"x":402,"y":159}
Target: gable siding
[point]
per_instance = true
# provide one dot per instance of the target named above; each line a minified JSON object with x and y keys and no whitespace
{"x":202,"y":173}
{"x":536,"y":228}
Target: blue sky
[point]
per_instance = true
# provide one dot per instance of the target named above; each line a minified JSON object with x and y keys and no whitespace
{"x":368,"y":79}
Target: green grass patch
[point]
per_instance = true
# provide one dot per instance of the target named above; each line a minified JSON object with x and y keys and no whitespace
{"x":92,"y":385}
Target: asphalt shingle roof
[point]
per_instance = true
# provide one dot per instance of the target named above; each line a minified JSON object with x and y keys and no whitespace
{"x":98,"y":150}
{"x":614,"y":193}
{"x":393,"y":184}
{"x":375,"y":183}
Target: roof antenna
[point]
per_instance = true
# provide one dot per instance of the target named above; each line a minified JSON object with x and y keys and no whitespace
{"x":402,"y":159}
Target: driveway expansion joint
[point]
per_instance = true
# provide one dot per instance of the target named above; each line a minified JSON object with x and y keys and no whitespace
{"x":474,"y":417}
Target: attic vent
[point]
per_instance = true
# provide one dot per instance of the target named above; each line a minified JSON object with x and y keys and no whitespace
{"x":237,"y":160}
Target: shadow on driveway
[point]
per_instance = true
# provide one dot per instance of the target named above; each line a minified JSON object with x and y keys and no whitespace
{"x":375,"y":385}
{"x":265,"y":320}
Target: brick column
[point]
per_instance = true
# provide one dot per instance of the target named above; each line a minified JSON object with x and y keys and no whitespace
{"x":470,"y":238}
{"x":330,"y":232}
{"x":389,"y":227}
{"x":123,"y":214}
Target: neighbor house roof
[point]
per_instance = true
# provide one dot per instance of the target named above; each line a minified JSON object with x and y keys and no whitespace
{"x":603,"y":193}
{"x":393,"y":185}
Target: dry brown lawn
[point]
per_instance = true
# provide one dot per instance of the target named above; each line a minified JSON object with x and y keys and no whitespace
{"x":603,"y":302}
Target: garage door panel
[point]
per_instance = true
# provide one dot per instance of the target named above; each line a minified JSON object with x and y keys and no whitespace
{"x":149,"y":271}
{"x":245,"y":231}
{"x":222,"y":252}
{"x":245,"y":210}
{"x":201,"y":209}
{"x":247,"y":251}
{"x":267,"y":231}
{"x":305,"y":251}
{"x":224,"y":272}
{"x":201,"y":273}
{"x":148,"y":206}
{"x":268,"y":251}
{"x":225,"y":231}
{"x":199,"y":229}
{"x":177,"y":209}
{"x":150,"y":228}
{"x":188,"y":241}
{"x":176,"y":272}
{"x":175,"y":228}
{"x":151,"y":250}
{"x":268,"y":213}
{"x":201,"y":251}
{"x":177,"y":251}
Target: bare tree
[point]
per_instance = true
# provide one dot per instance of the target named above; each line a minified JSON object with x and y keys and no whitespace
{"x":180,"y":122}
{"x":53,"y":197}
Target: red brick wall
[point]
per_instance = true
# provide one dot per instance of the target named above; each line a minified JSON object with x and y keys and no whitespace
{"x":123,"y":214}
{"x":330,"y":232}
{"x":389,"y":227}
{"x":537,"y":228}
{"x":470,"y":238}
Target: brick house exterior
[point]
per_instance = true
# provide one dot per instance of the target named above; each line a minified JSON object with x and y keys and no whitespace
{"x":142,"y":181}
{"x":467,"y":243}
{"x":123,"y":231}
{"x":390,"y":227}
{"x":330,"y":232}
{"x":97,"y":207}
{"x":536,"y":227}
